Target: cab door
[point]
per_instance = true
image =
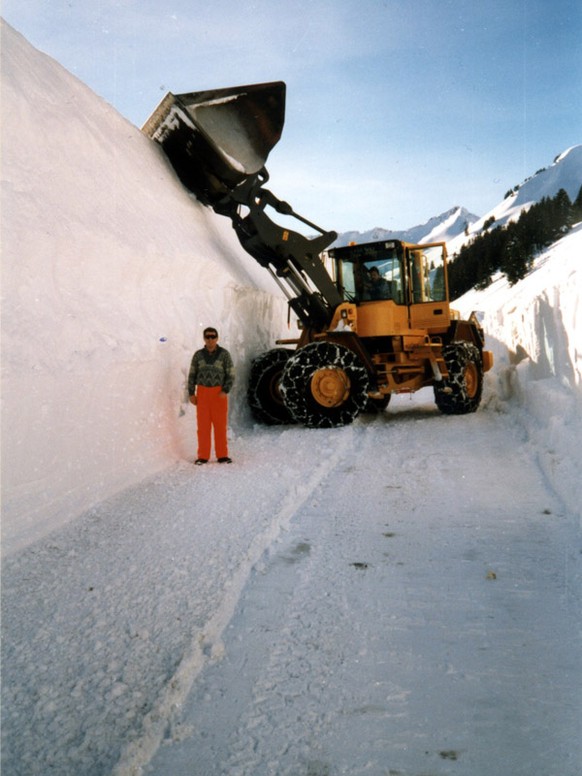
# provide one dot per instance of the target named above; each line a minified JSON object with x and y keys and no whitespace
{"x":428,"y":303}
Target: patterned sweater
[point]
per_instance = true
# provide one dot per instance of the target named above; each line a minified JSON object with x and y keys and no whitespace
{"x":211,"y":369}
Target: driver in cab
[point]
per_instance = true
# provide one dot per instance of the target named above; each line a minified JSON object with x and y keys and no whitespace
{"x":375,"y":286}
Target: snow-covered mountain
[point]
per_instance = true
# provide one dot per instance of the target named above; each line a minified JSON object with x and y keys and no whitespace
{"x":457,"y":225}
{"x":564,"y":173}
{"x":447,"y":226}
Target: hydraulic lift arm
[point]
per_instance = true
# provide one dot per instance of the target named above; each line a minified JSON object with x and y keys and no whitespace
{"x":218,"y":141}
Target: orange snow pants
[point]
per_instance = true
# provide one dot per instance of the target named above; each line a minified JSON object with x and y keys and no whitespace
{"x":211,"y":413}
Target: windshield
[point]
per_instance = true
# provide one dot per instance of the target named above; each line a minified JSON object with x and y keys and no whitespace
{"x":367,"y":275}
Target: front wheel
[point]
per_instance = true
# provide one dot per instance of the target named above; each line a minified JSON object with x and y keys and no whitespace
{"x":324,"y":385}
{"x":460,"y":393}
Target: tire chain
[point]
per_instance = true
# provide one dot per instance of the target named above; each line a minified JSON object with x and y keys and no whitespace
{"x":264,"y":407}
{"x":296,"y":391}
{"x":451,"y":395}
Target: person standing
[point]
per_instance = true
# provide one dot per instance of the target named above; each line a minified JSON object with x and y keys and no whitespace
{"x":210,"y":379}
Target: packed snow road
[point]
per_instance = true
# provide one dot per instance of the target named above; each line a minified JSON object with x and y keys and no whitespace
{"x":414,"y":620}
{"x":400,"y":596}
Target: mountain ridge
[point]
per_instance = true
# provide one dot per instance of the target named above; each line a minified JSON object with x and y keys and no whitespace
{"x":457,"y":225}
{"x":439,"y":228}
{"x":565,"y":172}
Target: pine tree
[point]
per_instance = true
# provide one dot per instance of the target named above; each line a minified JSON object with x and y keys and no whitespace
{"x":512,"y":248}
{"x":516,"y":262}
{"x":562,"y":214}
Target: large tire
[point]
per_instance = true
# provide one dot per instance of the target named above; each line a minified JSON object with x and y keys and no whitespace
{"x":460,"y":393}
{"x":324,"y":385}
{"x":263,"y":394}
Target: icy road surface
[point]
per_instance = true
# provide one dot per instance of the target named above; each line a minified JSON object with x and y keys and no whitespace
{"x":399,"y":597}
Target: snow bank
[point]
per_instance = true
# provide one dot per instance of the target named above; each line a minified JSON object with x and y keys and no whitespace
{"x":535,"y":331}
{"x":110,"y":270}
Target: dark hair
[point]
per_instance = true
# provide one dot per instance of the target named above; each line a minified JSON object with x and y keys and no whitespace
{"x":209,"y":330}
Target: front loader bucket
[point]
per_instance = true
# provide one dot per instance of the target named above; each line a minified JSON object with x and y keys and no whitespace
{"x":216,"y":139}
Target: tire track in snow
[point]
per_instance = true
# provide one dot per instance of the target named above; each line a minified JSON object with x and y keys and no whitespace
{"x":274,"y":659}
{"x":208,"y":644}
{"x":291,"y":671}
{"x":307,"y":655}
{"x":375,"y":636}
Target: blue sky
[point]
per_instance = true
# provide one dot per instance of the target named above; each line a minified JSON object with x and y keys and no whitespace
{"x":396,"y":109}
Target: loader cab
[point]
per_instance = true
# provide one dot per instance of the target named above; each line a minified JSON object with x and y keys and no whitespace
{"x":396,"y":285}
{"x":395,"y":270}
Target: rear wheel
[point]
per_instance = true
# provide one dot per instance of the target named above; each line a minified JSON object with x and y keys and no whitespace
{"x":377,"y":404}
{"x":460,"y":393}
{"x":324,"y":385}
{"x":263,"y":394}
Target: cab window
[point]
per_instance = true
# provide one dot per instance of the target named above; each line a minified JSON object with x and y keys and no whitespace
{"x":426,"y":275}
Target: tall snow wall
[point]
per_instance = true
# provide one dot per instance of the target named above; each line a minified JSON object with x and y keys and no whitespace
{"x":110,"y":271}
{"x":534,"y":331}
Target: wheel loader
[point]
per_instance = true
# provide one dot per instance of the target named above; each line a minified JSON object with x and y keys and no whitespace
{"x":374,"y":319}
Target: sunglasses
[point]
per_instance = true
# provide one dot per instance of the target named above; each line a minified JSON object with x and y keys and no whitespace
{"x":210,"y":336}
